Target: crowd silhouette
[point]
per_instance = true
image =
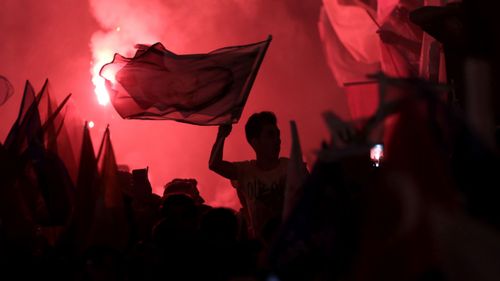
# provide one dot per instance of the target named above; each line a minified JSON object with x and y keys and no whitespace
{"x":427,"y":210}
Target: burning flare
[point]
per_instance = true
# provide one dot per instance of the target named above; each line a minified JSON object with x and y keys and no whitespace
{"x":101,"y":57}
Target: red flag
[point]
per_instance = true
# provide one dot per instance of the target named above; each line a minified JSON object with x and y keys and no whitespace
{"x":55,"y":136}
{"x":361,"y":92}
{"x":77,"y":236}
{"x":343,"y":65}
{"x":6,"y":90}
{"x":53,"y":179}
{"x":201,"y":89}
{"x":296,"y":173}
{"x":28,"y":98}
{"x":24,"y":125}
{"x":35,"y":172}
{"x":46,"y":107}
{"x":355,"y":30}
{"x":110,"y":226}
{"x":17,"y":223}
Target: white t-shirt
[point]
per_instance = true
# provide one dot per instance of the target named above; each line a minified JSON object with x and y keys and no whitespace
{"x":261,"y":193}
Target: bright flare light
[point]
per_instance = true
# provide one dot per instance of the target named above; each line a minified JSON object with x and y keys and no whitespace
{"x":100,"y":91}
{"x":91,"y":124}
{"x":101,"y":57}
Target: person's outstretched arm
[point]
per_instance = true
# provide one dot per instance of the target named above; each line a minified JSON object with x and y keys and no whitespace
{"x":216,"y":164}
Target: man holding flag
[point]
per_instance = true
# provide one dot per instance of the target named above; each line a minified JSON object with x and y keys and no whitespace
{"x":209,"y":89}
{"x":261,"y":183}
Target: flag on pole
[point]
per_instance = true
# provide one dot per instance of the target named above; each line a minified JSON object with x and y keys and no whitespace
{"x":77,"y":236}
{"x":17,"y":222}
{"x":56,"y":137}
{"x":27,"y":122}
{"x":296,"y":173}
{"x":110,"y":226}
{"x":201,"y":89}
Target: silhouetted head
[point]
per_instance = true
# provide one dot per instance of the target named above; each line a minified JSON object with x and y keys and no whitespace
{"x":185,"y":186}
{"x":125,"y":182}
{"x":263,"y":134}
{"x":220,"y":224}
{"x":178,"y":205}
{"x":179,"y":220}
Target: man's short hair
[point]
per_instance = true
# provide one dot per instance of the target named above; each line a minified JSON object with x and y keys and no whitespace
{"x":255,"y":123}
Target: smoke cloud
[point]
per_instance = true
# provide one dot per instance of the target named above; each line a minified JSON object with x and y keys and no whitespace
{"x":68,"y":40}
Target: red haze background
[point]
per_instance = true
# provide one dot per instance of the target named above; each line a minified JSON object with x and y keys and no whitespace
{"x":63,"y":40}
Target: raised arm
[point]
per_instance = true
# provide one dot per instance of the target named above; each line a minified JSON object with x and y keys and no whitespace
{"x":216,"y":164}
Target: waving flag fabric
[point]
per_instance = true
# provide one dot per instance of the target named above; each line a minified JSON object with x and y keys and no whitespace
{"x":6,"y":90}
{"x":201,"y":89}
{"x":27,"y":122}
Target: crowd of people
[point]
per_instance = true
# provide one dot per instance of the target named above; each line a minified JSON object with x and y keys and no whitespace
{"x":111,"y":226}
{"x":425,"y":209}
{"x":425,"y":213}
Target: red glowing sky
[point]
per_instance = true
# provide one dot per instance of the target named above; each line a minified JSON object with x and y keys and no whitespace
{"x":60,"y":39}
